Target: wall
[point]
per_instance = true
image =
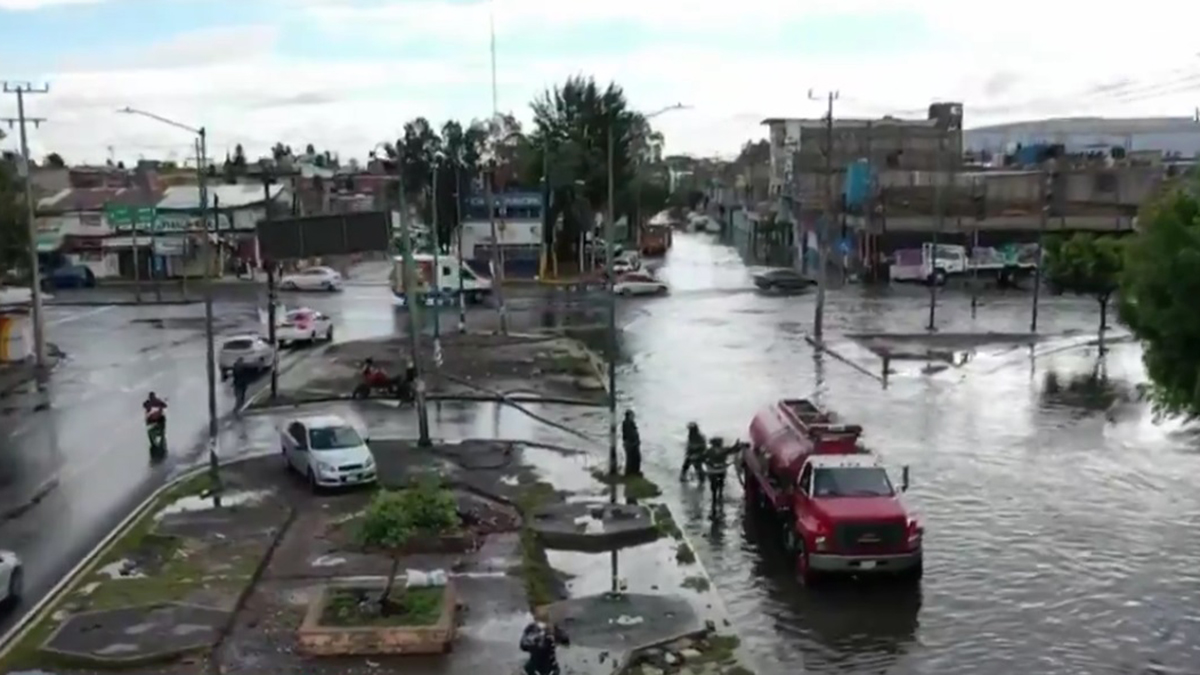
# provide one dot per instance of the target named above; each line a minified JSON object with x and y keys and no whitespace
{"x":1186,"y":143}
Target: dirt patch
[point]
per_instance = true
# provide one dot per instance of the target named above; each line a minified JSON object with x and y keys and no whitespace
{"x":403,"y":607}
{"x":473,"y":366}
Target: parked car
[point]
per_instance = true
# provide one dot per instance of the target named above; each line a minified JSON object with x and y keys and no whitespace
{"x":253,"y":350}
{"x":328,"y":451}
{"x":638,"y":283}
{"x":303,"y":325}
{"x":629,"y":261}
{"x":70,"y":276}
{"x":312,"y":279}
{"x":12,"y":577}
{"x":782,"y":279}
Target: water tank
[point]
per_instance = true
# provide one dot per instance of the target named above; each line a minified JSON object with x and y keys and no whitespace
{"x":16,"y":338}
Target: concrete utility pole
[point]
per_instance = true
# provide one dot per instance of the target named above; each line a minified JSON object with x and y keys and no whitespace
{"x":823,"y":234}
{"x":1047,"y":194}
{"x":610,"y":278}
{"x":35,"y":281}
{"x":940,"y":205}
{"x":437,"y":265}
{"x":497,"y":261}
{"x":414,"y":323}
{"x":462,"y":297}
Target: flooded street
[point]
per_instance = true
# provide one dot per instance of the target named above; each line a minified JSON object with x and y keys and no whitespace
{"x":1060,"y":520}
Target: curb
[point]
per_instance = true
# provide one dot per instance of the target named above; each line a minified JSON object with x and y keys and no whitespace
{"x":36,"y":613}
{"x":280,"y":372}
{"x":820,"y":346}
{"x":122,"y":303}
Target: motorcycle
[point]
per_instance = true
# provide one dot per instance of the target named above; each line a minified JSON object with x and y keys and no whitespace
{"x":378,"y":383}
{"x":156,"y":432}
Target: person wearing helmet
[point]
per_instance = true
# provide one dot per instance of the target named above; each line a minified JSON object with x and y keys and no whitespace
{"x":716,"y":466}
{"x":693,"y":457}
{"x":540,"y":640}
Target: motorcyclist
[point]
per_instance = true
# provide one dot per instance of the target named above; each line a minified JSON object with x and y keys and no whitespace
{"x":371,"y":373}
{"x":154,"y":411}
{"x":540,"y":640}
{"x":694,"y":452}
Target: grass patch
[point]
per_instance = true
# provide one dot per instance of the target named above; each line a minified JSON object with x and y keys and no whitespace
{"x":697,"y":583}
{"x":684,"y":554}
{"x":350,"y":607}
{"x":664,"y":522}
{"x":737,"y":670}
{"x":567,"y":363}
{"x":636,"y":487}
{"x":184,"y":570}
{"x":24,"y":655}
{"x":541,"y":581}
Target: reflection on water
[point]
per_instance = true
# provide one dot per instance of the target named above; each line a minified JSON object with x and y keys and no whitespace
{"x":1060,"y":532}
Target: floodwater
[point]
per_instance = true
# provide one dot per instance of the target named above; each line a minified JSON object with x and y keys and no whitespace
{"x":1062,"y":523}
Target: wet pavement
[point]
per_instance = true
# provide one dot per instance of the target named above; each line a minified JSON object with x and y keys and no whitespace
{"x":1059,"y":516}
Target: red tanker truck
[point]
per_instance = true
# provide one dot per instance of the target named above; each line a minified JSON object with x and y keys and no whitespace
{"x":838,"y":510}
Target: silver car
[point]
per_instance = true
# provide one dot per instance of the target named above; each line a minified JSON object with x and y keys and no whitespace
{"x":253,"y":350}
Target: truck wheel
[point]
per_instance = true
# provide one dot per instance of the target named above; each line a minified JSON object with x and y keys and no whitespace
{"x":938,"y":278}
{"x":914,"y":574}
{"x":804,"y":572}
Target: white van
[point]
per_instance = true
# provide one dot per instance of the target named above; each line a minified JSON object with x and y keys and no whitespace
{"x":450,"y":272}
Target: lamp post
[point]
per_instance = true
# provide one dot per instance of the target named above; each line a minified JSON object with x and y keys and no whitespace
{"x":438,"y":158}
{"x":209,"y":335}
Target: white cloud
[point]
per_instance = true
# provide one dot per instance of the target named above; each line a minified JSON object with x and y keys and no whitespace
{"x":31,"y":5}
{"x":1030,"y":60}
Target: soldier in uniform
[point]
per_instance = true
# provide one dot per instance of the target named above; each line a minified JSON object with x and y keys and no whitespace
{"x":694,"y":453}
{"x":716,"y":466}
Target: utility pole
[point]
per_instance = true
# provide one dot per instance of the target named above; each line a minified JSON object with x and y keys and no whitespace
{"x":35,"y":282}
{"x":940,"y":205}
{"x":214,"y":461}
{"x":609,"y":231}
{"x":462,"y":297}
{"x":272,"y":297}
{"x":1047,"y":200}
{"x":414,"y":324}
{"x":437,"y":267}
{"x":823,"y":235}
{"x":497,"y":262}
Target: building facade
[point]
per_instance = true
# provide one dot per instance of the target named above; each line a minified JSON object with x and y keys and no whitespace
{"x":1170,"y":136}
{"x":518,"y":217}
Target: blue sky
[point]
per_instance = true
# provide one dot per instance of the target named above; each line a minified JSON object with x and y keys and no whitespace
{"x":345,"y":72}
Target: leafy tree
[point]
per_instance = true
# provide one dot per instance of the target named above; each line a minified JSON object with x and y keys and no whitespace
{"x":310,"y":150}
{"x":394,"y":518}
{"x":239,"y":158}
{"x":55,"y":160}
{"x":1086,"y":264}
{"x":574,"y":123}
{"x":1159,"y":290}
{"x":14,"y":230}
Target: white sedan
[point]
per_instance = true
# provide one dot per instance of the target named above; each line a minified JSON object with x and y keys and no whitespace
{"x":303,"y":325}
{"x":638,"y":283}
{"x":328,"y":451}
{"x":312,"y":279}
{"x":252,"y":350}
{"x":12,"y":577}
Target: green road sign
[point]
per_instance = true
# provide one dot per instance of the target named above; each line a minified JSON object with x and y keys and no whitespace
{"x":123,"y":218}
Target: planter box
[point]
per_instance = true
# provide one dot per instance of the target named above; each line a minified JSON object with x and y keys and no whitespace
{"x":317,"y":640}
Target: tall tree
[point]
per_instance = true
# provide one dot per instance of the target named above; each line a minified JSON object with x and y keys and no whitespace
{"x":1158,"y":296}
{"x":14,"y":233}
{"x":574,"y":122}
{"x":239,"y":158}
{"x":55,"y":161}
{"x":462,"y":149}
{"x":1086,"y":264}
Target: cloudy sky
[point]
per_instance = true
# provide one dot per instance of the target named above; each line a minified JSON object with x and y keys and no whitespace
{"x":346,"y":74}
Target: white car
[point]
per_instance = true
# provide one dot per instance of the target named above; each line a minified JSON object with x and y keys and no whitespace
{"x":312,"y":279}
{"x":328,"y":451}
{"x":253,"y":350}
{"x":638,"y":283}
{"x":303,"y":325}
{"x":12,"y":577}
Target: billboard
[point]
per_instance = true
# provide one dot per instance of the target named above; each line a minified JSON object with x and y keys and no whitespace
{"x":329,"y":234}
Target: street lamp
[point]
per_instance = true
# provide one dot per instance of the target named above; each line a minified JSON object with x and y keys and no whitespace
{"x":209,"y":337}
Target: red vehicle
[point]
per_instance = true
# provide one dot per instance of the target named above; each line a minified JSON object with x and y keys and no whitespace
{"x":839,"y":511}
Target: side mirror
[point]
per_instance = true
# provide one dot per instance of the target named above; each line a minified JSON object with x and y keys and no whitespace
{"x":904,"y":479}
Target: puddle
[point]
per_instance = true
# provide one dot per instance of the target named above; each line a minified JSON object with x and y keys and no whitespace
{"x":121,"y":569}
{"x":201,"y":503}
{"x":564,"y":473}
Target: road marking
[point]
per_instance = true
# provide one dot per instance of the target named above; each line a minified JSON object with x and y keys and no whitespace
{"x":81,"y":315}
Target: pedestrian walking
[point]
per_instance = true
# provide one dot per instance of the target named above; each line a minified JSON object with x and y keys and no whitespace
{"x":633,"y":445}
{"x":241,"y":382}
{"x":693,"y":457}
{"x":716,"y":466}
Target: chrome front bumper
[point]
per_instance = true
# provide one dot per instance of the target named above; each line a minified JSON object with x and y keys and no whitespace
{"x":865,"y":564}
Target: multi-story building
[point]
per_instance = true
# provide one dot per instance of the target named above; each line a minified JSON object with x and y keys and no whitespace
{"x":798,"y":145}
{"x":1171,"y":136}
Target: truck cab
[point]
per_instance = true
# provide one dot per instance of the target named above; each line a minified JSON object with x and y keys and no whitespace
{"x":441,"y":281}
{"x":837,"y":508}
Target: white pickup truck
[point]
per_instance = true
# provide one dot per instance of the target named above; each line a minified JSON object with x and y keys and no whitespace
{"x":932,"y":265}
